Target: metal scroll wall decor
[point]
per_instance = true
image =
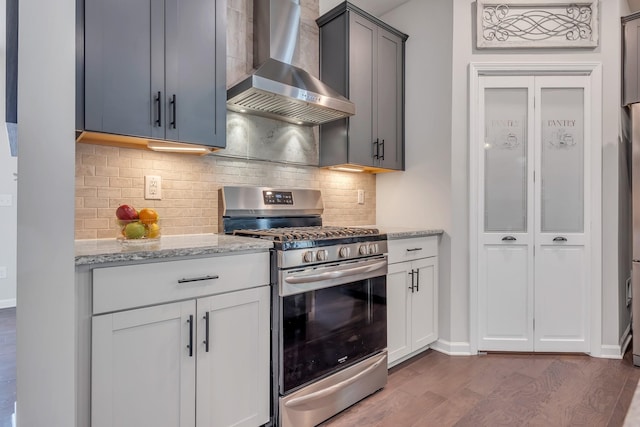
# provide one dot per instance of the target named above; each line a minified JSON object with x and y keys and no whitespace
{"x":523,"y":24}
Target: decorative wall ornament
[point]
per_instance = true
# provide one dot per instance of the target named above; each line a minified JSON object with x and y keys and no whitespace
{"x":526,"y":24}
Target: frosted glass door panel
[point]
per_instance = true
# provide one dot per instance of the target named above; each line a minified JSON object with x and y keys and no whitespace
{"x":562,"y":170}
{"x":505,"y":162}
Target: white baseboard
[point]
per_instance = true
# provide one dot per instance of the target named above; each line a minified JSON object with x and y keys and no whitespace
{"x":6,"y":303}
{"x":452,"y":348}
{"x":608,"y":351}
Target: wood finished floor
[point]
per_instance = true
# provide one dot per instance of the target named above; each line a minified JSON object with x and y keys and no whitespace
{"x":433,"y":389}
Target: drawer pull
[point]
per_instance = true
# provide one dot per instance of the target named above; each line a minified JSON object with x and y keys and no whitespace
{"x":198,"y":279}
{"x":414,"y":249}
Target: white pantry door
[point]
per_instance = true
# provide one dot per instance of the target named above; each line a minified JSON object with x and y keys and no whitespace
{"x":532,"y":243}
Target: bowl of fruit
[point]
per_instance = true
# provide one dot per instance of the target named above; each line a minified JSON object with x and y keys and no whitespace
{"x":137,"y":226}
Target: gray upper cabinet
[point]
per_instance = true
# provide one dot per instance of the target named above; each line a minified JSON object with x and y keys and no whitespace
{"x":156,"y":69}
{"x":363,"y":59}
{"x":631,"y":59}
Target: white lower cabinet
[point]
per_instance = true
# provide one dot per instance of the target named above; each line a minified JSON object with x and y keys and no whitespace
{"x":197,"y":362}
{"x":412,"y":297}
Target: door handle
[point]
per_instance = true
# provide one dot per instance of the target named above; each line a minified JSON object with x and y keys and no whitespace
{"x":382,"y":144}
{"x":559,"y":239}
{"x":376,"y":151}
{"x":508,"y":239}
{"x":417,"y":280}
{"x":206,"y":332}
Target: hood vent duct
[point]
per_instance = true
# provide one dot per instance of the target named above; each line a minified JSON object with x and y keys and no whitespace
{"x":277,"y":89}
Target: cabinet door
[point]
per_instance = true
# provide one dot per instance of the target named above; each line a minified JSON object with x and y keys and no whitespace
{"x":233,"y":359}
{"x":390,"y":100}
{"x":194,"y":106}
{"x":124,"y":66}
{"x":398,"y":311}
{"x":142,"y":371}
{"x":424,"y":299}
{"x":362,"y":89}
{"x":562,"y":249}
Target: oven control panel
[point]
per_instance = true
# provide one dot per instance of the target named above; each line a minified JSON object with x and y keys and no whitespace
{"x":271,"y":197}
{"x":340,"y":252}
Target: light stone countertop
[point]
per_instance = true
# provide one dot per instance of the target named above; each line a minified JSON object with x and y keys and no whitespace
{"x":101,"y":251}
{"x":395,"y":233}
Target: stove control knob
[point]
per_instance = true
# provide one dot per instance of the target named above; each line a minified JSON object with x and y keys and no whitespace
{"x":322,"y":255}
{"x":344,"y":252}
{"x":307,"y":256}
{"x":373,"y":248}
{"x":362,"y":249}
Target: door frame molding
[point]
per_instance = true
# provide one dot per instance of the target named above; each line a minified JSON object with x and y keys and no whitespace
{"x":593,"y":70}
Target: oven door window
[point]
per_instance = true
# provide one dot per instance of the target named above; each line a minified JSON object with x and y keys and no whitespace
{"x":329,"y":329}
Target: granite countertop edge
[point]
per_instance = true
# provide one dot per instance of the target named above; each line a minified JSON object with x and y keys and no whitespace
{"x":393,"y":234}
{"x":104,"y":251}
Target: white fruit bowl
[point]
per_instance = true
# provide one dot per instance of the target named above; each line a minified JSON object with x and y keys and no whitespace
{"x":137,"y":231}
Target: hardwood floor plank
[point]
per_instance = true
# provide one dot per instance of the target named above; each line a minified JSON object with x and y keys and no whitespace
{"x":501,"y":390}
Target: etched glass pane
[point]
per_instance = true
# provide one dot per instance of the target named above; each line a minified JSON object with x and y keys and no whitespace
{"x":562,"y":174}
{"x":505,"y":160}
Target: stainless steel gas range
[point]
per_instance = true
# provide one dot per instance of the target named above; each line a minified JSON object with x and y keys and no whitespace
{"x":329,"y":313}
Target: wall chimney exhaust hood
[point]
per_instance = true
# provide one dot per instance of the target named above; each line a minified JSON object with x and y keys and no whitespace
{"x":277,"y":89}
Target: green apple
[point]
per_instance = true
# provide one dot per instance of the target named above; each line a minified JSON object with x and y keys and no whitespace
{"x":134,"y":230}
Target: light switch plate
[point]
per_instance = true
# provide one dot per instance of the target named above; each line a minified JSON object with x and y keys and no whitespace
{"x":152,"y":187}
{"x":361,"y":197}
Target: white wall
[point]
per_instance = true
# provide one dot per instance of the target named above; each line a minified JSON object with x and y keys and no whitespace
{"x":421,"y":196}
{"x":46,"y":347}
{"x":8,"y":185}
{"x":434,"y":189}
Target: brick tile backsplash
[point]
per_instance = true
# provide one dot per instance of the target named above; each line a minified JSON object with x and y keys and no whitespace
{"x":107,"y":177}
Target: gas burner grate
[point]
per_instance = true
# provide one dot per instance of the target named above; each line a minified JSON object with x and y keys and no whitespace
{"x":287,"y":234}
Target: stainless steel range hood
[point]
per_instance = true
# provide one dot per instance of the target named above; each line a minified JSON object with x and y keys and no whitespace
{"x":277,"y":89}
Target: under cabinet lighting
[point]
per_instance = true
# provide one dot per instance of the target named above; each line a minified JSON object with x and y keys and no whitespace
{"x":346,"y":169}
{"x":176,"y":148}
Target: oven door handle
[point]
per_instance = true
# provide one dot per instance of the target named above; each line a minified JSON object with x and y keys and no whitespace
{"x":335,"y":274}
{"x":334,"y":388}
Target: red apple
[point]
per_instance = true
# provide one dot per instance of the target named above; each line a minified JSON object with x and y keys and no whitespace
{"x":126,"y":213}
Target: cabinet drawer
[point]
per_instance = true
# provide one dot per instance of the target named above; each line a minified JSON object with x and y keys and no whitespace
{"x":129,"y":286}
{"x":409,"y":249}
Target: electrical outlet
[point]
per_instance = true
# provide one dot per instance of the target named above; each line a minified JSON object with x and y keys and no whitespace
{"x":152,"y":187}
{"x":3,"y":272}
{"x":361,"y":197}
{"x":6,"y":200}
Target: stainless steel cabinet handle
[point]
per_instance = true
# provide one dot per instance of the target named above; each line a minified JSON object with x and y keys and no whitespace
{"x":199,"y":279}
{"x":414,"y":249}
{"x":508,"y":239}
{"x":559,"y":239}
